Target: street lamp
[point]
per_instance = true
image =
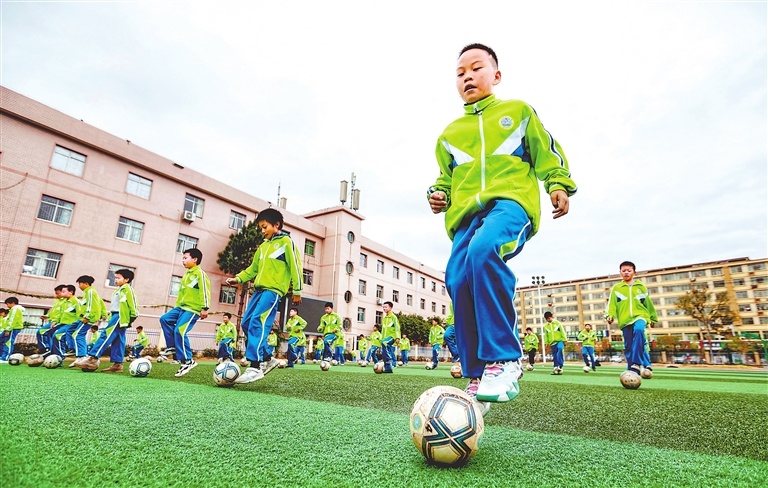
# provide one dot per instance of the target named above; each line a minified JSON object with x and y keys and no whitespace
{"x":539,"y":282}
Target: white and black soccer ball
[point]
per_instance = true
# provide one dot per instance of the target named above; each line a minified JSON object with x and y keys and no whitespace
{"x":53,"y":361}
{"x":646,"y":373}
{"x":35,"y":360}
{"x":446,"y":426}
{"x":160,"y":359}
{"x":363,"y":363}
{"x":334,"y":362}
{"x":630,"y":380}
{"x":399,"y":363}
{"x":378,"y":367}
{"x":428,"y":366}
{"x":140,"y":367}
{"x":325,"y":365}
{"x":456,"y":370}
{"x":529,"y":367}
{"x":282,"y":363}
{"x":586,"y":369}
{"x":15,"y":359}
{"x":225,"y":373}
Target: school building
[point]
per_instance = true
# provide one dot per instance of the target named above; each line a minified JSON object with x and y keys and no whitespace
{"x":79,"y":201}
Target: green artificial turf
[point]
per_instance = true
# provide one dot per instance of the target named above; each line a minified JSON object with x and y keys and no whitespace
{"x":349,"y":427}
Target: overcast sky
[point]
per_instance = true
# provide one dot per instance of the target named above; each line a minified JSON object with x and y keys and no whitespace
{"x":660,"y":109}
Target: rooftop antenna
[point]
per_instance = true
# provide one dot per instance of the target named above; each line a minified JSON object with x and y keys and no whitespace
{"x":354,"y":202}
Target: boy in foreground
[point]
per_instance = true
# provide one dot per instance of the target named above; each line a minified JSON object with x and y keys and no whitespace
{"x":490,"y":162}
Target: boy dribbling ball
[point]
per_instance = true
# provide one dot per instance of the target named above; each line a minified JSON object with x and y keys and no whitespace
{"x":490,"y":161}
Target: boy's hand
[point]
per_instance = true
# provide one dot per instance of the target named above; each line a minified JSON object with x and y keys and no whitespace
{"x":203,"y":314}
{"x":437,"y":201}
{"x":296,"y":299}
{"x":560,"y":202}
{"x":231,"y":281}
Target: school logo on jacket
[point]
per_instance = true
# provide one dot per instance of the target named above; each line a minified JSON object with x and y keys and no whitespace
{"x":506,"y":122}
{"x":278,"y":252}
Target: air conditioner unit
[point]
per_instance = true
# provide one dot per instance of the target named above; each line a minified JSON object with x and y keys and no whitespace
{"x":379,"y":301}
{"x":188,"y":216}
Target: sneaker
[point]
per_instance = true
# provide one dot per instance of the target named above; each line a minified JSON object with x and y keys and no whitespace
{"x":471,"y":390}
{"x":250,"y":375}
{"x":186,"y":368}
{"x":70,"y":353}
{"x":3,"y":361}
{"x":174,"y":362}
{"x":168,"y":351}
{"x":76,"y":362}
{"x":636,"y":368}
{"x":499,"y":382}
{"x":115,"y":368}
{"x":559,"y":370}
{"x":88,"y":362}
{"x":267,"y":366}
{"x":554,"y":371}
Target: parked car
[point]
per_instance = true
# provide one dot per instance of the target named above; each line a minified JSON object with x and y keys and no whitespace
{"x":617,"y":358}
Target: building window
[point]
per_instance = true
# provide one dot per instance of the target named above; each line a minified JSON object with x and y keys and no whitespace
{"x":55,"y":210}
{"x":111,"y":273}
{"x":380,"y":266}
{"x":309,"y":247}
{"x":41,"y":263}
{"x":139,"y":186}
{"x":434,"y":307}
{"x":185,"y":242}
{"x":735,"y":269}
{"x":409,"y":278}
{"x":130,"y":230}
{"x":422,"y":303}
{"x":443,"y":291}
{"x":363,"y":260}
{"x":351,"y":237}
{"x":423,"y":282}
{"x":361,"y":286}
{"x":395,"y":272}
{"x":442,"y":307}
{"x":717,"y":272}
{"x":175,"y":285}
{"x":347,"y":296}
{"x":409,"y":300}
{"x":194,"y":205}
{"x":379,"y":291}
{"x":236,"y":220}
{"x":308,"y":276}
{"x":395,"y":296}
{"x":227,"y":294}
{"x":434,"y":288}
{"x":360,"y":314}
{"x":350,"y":267}
{"x":68,"y":161}
{"x":379,"y":315}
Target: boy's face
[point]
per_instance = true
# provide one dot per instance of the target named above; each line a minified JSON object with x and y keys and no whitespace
{"x":476,"y":75}
{"x":550,"y":318}
{"x":58,"y":293}
{"x":268,"y":229}
{"x":328,"y":309}
{"x":82,"y":285}
{"x":386,"y":308}
{"x":66,"y":293}
{"x":188,"y":261}
{"x":120,"y":279}
{"x":292,"y":313}
{"x":627,"y":273}
{"x":588,"y":327}
{"x":226,"y":319}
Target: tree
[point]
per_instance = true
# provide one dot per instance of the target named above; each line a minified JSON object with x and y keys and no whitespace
{"x":667,"y":343}
{"x":415,"y":326}
{"x":716,"y":315}
{"x":238,"y":255}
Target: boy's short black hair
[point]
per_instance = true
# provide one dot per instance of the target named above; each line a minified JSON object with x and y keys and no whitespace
{"x":547,"y":315}
{"x":139,"y":327}
{"x":272,"y":216}
{"x":294,"y":308}
{"x":125,"y":273}
{"x":528,"y":328}
{"x":391,"y":305}
{"x":228,"y":315}
{"x":195,"y":253}
{"x":4,"y":310}
{"x":85,"y":279}
{"x":329,"y":304}
{"x":59,"y":288}
{"x":94,"y":326}
{"x":71,"y":288}
{"x":361,"y":336}
{"x":628,"y":263}
{"x":485,"y":48}
{"x":12,"y":300}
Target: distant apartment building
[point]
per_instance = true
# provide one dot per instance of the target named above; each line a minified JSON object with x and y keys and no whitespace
{"x":77,"y":200}
{"x":574,"y":303}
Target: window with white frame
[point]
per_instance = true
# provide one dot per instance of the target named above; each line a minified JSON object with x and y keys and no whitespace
{"x":443,"y":290}
{"x":395,"y":296}
{"x":363,"y":260}
{"x":68,"y":161}
{"x":409,"y":277}
{"x":236,"y":220}
{"x":111,"y":273}
{"x":442,"y":308}
{"x":55,"y":210}
{"x":434,"y":287}
{"x":379,"y":316}
{"x":380,"y":266}
{"x":395,"y":272}
{"x":434,"y":307}
{"x":175,"y":285}
{"x":185,"y":242}
{"x":139,"y":186}
{"x":379,"y":291}
{"x":309,"y":247}
{"x":41,"y":263}
{"x":409,"y":300}
{"x":360,"y":314}
{"x":422,"y":303}
{"x":194,"y":204}
{"x":227,"y":294}
{"x":308,"y":276}
{"x":361,"y":287}
{"x":423,"y":282}
{"x":130,"y":230}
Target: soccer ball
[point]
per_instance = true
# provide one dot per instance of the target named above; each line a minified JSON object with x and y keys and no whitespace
{"x":428,"y":366}
{"x":334,"y":362}
{"x":245,"y":363}
{"x":630,"y":380}
{"x":378,"y":368}
{"x":446,"y":426}
{"x":456,"y":370}
{"x":647,"y":373}
{"x":363,"y":363}
{"x":52,"y":361}
{"x":282,"y":363}
{"x":399,"y":363}
{"x":529,"y":367}
{"x":35,"y":360}
{"x":160,"y":359}
{"x":91,"y":370}
{"x":140,"y":367}
{"x":15,"y":359}
{"x":225,"y":373}
{"x":325,"y":365}
{"x":586,"y":369}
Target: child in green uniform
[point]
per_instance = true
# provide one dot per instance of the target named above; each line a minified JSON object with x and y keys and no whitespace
{"x":436,"y":333}
{"x":554,"y":335}
{"x":295,"y":326}
{"x":587,"y":336}
{"x":530,"y":346}
{"x":226,"y":338}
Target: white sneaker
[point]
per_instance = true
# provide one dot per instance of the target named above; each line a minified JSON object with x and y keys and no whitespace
{"x":499,"y":382}
{"x":267,"y":366}
{"x":249,"y":376}
{"x":186,"y":368}
{"x":471,"y":391}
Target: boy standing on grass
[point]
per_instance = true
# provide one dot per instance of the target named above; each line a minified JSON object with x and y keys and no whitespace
{"x":588,"y":337}
{"x":338,"y":348}
{"x":14,"y":322}
{"x":69,"y":312}
{"x":271,"y":343}
{"x":44,"y":334}
{"x":436,"y":334}
{"x":450,"y":336}
{"x":330,"y":326}
{"x":531,"y":346}
{"x":92,"y":311}
{"x":123,"y":311}
{"x":295,"y":326}
{"x":490,"y":162}
{"x":192,"y":303}
{"x":405,"y":348}
{"x":362,"y":347}
{"x":276,"y":267}
{"x":554,"y":335}
{"x":631,"y":306}
{"x":226,"y":338}
{"x":140,"y":343}
{"x":94,"y":337}
{"x":375,"y":339}
{"x":390,"y":331}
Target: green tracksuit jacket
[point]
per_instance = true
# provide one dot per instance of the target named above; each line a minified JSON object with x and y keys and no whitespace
{"x":194,"y":291}
{"x":630,"y":302}
{"x":276,"y":266}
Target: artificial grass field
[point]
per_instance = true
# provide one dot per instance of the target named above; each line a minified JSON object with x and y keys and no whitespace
{"x":349,"y":427}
